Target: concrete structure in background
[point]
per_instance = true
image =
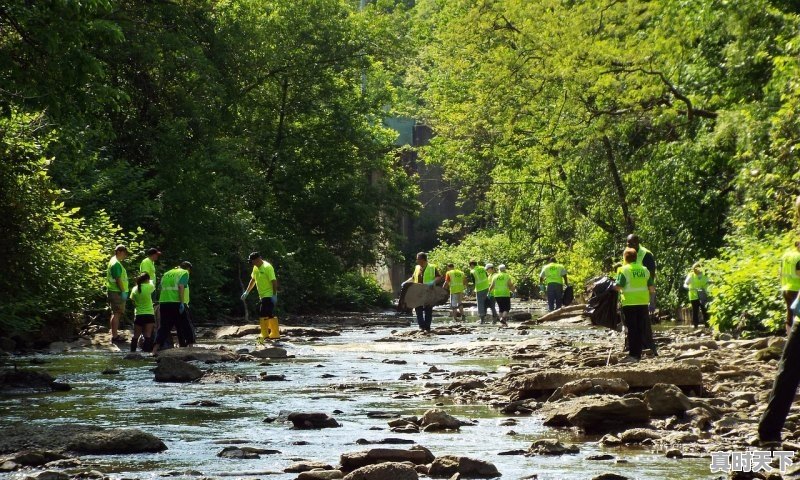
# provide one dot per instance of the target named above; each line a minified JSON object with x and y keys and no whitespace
{"x":437,"y":199}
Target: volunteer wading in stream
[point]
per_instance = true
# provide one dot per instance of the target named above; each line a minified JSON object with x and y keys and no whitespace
{"x":501,"y":288}
{"x":635,"y":284}
{"x":174,"y":299}
{"x":456,"y":281}
{"x":263,"y":278}
{"x":425,"y":273}
{"x":117,"y":286}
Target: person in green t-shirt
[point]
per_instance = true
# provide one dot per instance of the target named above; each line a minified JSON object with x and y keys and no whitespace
{"x":117,"y":289}
{"x":144,"y":315}
{"x":554,"y":278}
{"x":481,"y":278}
{"x":501,"y":287}
{"x":263,"y":278}
{"x":148,"y":264}
{"x":697,"y":283}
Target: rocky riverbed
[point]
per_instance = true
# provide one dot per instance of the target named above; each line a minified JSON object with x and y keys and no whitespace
{"x":361,"y":401}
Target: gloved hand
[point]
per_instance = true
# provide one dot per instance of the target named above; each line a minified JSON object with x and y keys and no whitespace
{"x":275,"y":300}
{"x":124,"y":296}
{"x":431,"y":283}
{"x":541,"y":289}
{"x":244,"y":296}
{"x":182,"y":307}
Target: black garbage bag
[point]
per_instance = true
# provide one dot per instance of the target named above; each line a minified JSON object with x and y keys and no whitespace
{"x":568,"y":297}
{"x":602,"y":305}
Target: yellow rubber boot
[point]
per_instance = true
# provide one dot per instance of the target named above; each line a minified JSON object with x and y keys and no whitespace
{"x":274,"y":332}
{"x":263,"y":322}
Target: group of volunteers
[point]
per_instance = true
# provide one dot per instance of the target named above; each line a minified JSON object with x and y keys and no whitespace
{"x":154,"y":323}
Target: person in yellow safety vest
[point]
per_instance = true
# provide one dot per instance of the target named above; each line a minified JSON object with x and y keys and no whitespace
{"x":174,"y":299}
{"x":144,"y":314}
{"x":456,"y":281}
{"x":491,"y":303}
{"x":425,"y":273}
{"x":790,"y":280}
{"x":635,"y":284}
{"x":117,"y":289}
{"x":148,"y":264}
{"x":554,"y":277}
{"x":697,"y":283}
{"x":501,"y":287}
{"x":481,"y":278}
{"x":263,"y":277}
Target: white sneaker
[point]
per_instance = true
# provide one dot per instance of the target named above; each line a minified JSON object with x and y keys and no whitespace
{"x":629,"y":359}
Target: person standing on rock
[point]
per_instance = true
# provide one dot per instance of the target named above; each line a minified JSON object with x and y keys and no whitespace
{"x":554,"y":277}
{"x":263,"y":278}
{"x":456,"y":282}
{"x":117,"y":287}
{"x":144,"y":313}
{"x":425,"y":273}
{"x":645,"y":258}
{"x":635,"y":284}
{"x":491,"y":303}
{"x":481,"y":278}
{"x":697,"y":283}
{"x":501,"y":288}
{"x":174,"y":300}
{"x":790,"y":280}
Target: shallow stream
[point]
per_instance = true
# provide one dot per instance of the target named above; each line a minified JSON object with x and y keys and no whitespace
{"x":195,"y":435}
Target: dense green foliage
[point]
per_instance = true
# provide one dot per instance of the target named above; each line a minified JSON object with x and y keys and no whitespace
{"x":209,"y":129}
{"x":573,"y":124}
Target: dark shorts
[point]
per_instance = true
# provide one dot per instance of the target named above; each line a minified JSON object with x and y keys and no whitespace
{"x":503,"y":304}
{"x":144,"y":319}
{"x":115,"y":303}
{"x":266,"y":308}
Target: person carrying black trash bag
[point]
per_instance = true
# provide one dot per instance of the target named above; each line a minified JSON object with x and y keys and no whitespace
{"x":635,"y":286}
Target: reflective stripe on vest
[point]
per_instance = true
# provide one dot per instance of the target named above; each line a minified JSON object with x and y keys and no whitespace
{"x":790,"y":281}
{"x":635,"y":291}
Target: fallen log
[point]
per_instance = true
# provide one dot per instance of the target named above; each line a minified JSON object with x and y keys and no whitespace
{"x":520,"y":386}
{"x":562,"y":312}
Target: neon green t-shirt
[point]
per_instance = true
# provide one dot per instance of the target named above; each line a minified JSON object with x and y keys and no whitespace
{"x":264,"y":275}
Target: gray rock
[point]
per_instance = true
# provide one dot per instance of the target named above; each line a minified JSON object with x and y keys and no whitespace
{"x":307,"y":465}
{"x":638,"y":435}
{"x":551,"y":446}
{"x":177,"y":371}
{"x":35,"y":458}
{"x":446,"y":466}
{"x":666,"y":400}
{"x":115,"y":442}
{"x":441,"y":420}
{"x":591,"y":386}
{"x":321,"y":475}
{"x":599,"y":414}
{"x":245,"y":453}
{"x":356,"y":460}
{"x":384,"y":471}
{"x":51,"y":475}
{"x":270,"y":352}
{"x":19,"y":380}
{"x":199,"y":354}
{"x":609,"y":476}
{"x":312,"y":421}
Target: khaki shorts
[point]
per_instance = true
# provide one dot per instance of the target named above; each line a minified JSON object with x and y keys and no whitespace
{"x":455,"y":299}
{"x":115,"y":303}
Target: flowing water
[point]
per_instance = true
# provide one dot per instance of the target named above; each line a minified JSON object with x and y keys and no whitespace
{"x":195,"y":435}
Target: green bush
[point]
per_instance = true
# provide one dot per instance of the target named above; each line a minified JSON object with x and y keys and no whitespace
{"x":745,"y":285}
{"x":353,"y":291}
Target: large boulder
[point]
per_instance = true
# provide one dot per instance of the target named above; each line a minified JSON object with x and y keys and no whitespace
{"x":199,"y":354}
{"x":598,"y":414}
{"x":551,"y":446}
{"x":520,"y":386}
{"x":115,"y":442}
{"x":665,"y":400}
{"x":312,"y":421}
{"x":173,"y":370}
{"x":446,"y":466}
{"x":270,"y":352}
{"x":438,"y":419}
{"x":356,"y":460}
{"x":591,"y":386}
{"x":29,"y":381}
{"x":384,"y":471}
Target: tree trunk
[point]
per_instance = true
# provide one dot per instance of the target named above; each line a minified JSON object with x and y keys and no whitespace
{"x":618,"y":185}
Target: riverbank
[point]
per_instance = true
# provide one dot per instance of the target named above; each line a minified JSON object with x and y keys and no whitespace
{"x":374,"y":379}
